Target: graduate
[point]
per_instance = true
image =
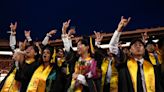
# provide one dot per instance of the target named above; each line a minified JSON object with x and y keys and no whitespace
{"x":47,"y":77}
{"x":152,"y":52}
{"x":135,"y":74}
{"x":81,"y":64}
{"x":30,"y":64}
{"x":9,"y":84}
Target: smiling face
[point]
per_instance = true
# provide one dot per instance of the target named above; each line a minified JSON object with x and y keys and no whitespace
{"x":137,"y":49}
{"x":81,"y":48}
{"x":46,"y":55}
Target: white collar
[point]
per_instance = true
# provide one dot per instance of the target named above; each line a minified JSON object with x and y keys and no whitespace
{"x":140,"y":60}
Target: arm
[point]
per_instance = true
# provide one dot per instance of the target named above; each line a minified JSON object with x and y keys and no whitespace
{"x":98,"y":38}
{"x":12,"y":40}
{"x":40,"y":50}
{"x":66,"y":37}
{"x":50,"y":34}
{"x":144,"y":37}
{"x":27,"y":35}
{"x":113,"y":44}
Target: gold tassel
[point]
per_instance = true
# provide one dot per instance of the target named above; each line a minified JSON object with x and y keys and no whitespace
{"x":67,"y":70}
{"x":91,"y":45}
{"x":53,"y":57}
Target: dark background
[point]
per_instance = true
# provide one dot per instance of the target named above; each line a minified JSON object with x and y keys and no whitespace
{"x":40,"y":16}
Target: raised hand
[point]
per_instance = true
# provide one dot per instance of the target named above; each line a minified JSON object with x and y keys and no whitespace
{"x":37,"y":44}
{"x":22,"y":45}
{"x":65,"y":26}
{"x":27,"y":33}
{"x":13,"y":27}
{"x":98,"y":36}
{"x":123,"y":23}
{"x":52,"y":32}
{"x":144,"y":36}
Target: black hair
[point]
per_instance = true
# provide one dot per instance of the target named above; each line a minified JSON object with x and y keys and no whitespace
{"x":86,"y":41}
{"x":135,"y":40}
{"x":50,"y":48}
{"x":35,"y":49}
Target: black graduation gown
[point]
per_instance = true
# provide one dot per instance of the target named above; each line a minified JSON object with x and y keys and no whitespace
{"x":125,"y":82}
{"x":56,"y":84}
{"x":25,"y":73}
{"x":70,"y":59}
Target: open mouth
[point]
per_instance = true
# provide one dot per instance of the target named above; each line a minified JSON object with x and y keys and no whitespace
{"x":44,"y":56}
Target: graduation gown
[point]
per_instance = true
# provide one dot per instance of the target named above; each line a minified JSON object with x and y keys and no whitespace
{"x":25,"y":73}
{"x":127,"y":79}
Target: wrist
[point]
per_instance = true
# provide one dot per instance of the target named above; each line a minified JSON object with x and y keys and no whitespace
{"x":97,"y":43}
{"x":28,"y":38}
{"x":64,"y":30}
{"x":13,"y":33}
{"x":119,"y":29}
{"x":49,"y":35}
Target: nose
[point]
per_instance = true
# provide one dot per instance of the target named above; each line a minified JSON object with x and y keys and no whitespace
{"x":138,"y":45}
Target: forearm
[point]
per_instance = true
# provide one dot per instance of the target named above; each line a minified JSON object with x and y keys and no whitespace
{"x":46,"y":39}
{"x":12,"y":41}
{"x":97,"y":44}
{"x":28,"y":38}
{"x":115,"y":38}
{"x":113,"y":44}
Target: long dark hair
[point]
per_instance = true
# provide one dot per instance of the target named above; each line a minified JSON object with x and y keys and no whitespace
{"x":51,"y":49}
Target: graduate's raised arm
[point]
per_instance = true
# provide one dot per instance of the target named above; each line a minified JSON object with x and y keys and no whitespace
{"x":98,"y":38}
{"x":48,"y":35}
{"x":113,"y":44}
{"x":12,"y":40}
{"x":66,"y":37}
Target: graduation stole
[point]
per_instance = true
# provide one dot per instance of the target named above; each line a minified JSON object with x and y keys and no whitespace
{"x":114,"y":79}
{"x":104,"y":68}
{"x":38,"y":80}
{"x":114,"y":76}
{"x":153,"y":60}
{"x":11,"y":85}
{"x":149,"y":75}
